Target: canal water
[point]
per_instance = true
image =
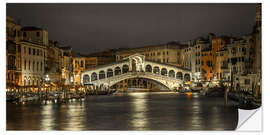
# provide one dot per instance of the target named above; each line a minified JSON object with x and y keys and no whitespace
{"x":132,"y":111}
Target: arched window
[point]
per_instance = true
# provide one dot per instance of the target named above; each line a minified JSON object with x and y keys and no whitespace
{"x":109,"y":73}
{"x":86,"y":79}
{"x":117,"y":71}
{"x":156,"y":70}
{"x":93,"y":76}
{"x":179,"y":75}
{"x":148,"y":68}
{"x":164,"y":71}
{"x":172,"y":74}
{"x":101,"y":74}
{"x":187,"y":77}
{"x":125,"y":68}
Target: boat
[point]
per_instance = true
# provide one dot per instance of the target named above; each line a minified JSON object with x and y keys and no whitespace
{"x":28,"y":98}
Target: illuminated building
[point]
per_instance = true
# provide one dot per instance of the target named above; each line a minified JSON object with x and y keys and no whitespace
{"x":67,"y":67}
{"x":13,"y":53}
{"x":78,"y":66}
{"x":166,"y":53}
{"x":55,"y":63}
{"x":200,"y":44}
{"x":34,"y":45}
{"x":218,"y":44}
{"x":26,"y":54}
{"x":206,"y":64}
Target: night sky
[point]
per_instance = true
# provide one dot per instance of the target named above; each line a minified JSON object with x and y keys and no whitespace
{"x":89,"y":28}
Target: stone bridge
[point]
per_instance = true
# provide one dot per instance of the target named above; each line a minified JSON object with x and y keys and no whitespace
{"x":135,"y":66}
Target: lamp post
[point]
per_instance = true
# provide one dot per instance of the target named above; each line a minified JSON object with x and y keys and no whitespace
{"x":47,"y":81}
{"x":71,"y":79}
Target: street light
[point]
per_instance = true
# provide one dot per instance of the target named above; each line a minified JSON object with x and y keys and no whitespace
{"x":47,"y":78}
{"x":47,"y":81}
{"x":71,"y":79}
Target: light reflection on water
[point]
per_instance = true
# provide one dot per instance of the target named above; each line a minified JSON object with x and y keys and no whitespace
{"x":75,"y":116}
{"x":139,"y":118}
{"x":134,"y":111}
{"x":195,"y":117}
{"x":47,"y":119}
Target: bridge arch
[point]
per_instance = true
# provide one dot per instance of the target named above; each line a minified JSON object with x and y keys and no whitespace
{"x":117,"y":71}
{"x":125,"y":68}
{"x":172,"y":73}
{"x":168,"y":75}
{"x":164,"y":71}
{"x":109,"y":73}
{"x":148,"y":68}
{"x":179,"y":75}
{"x":187,"y":77}
{"x":156,"y":70}
{"x":137,"y":62}
{"x":86,"y":78}
{"x":101,"y":74}
{"x":166,"y":86}
{"x":94,"y":76}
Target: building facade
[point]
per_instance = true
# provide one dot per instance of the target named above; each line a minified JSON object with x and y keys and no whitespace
{"x":67,"y":66}
{"x":166,"y":53}
{"x":13,"y":74}
{"x":34,"y":44}
{"x":55,"y":63}
{"x":13,"y":53}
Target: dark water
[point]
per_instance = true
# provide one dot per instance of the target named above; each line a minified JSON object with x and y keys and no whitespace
{"x":134,"y":111}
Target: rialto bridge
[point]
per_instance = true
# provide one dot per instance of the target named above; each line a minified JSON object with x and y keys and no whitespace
{"x":135,"y":66}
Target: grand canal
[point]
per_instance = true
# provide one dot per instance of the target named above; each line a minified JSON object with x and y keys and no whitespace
{"x":132,"y":111}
